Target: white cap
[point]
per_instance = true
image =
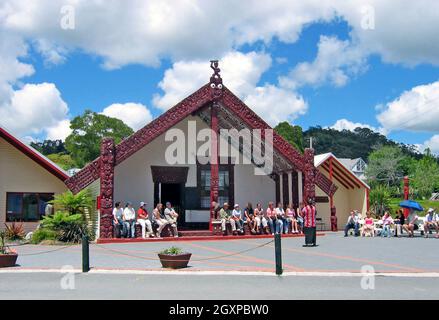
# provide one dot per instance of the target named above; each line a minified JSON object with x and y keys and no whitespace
{"x":142,"y":203}
{"x":236,"y":205}
{"x":430,"y":210}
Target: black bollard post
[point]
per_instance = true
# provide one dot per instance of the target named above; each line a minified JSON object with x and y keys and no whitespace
{"x":85,"y":254}
{"x":278,"y":253}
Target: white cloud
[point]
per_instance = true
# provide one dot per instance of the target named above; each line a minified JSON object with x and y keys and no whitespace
{"x":33,"y":108}
{"x":344,"y":124}
{"x":240,"y":73}
{"x":432,"y":144}
{"x":135,"y":115}
{"x":416,"y":109}
{"x":59,"y":131}
{"x":336,"y":61}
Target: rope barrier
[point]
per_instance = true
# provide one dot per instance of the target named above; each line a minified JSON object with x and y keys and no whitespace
{"x":44,"y":252}
{"x":193,"y":260}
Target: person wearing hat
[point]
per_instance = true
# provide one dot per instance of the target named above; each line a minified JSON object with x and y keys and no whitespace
{"x":171,"y":216}
{"x":431,"y":221}
{"x":143,"y":220}
{"x":224,"y":215}
{"x":129,"y":216}
{"x":237,"y":217}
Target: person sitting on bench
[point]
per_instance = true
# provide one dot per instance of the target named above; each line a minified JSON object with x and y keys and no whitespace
{"x":129,"y":216}
{"x":171,"y":216}
{"x":353,"y":223}
{"x":261,"y":220}
{"x":237,"y":218}
{"x":368,"y":229}
{"x":157,"y":219}
{"x":143,"y":220}
{"x":411,"y":223}
{"x":224,"y":215}
{"x":431,"y":221}
{"x":118,"y":221}
{"x":249,"y":217}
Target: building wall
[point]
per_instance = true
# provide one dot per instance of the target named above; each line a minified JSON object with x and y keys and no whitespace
{"x":133,"y":178}
{"x":345,"y":200}
{"x":19,"y":173}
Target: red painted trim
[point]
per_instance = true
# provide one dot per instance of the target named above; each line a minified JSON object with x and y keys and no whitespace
{"x":214,"y":169}
{"x":340,"y":179}
{"x":199,"y":238}
{"x":367,"y":199}
{"x":37,"y":157}
{"x":350,"y":173}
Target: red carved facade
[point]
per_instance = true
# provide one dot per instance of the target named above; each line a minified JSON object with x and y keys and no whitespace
{"x":107,"y":187}
{"x":309,"y":189}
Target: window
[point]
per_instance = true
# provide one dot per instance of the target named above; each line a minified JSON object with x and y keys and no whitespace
{"x":225,"y":185}
{"x":26,"y":207}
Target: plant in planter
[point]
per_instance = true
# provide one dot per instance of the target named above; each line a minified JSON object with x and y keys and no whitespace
{"x":174,"y":258}
{"x":8,"y":257}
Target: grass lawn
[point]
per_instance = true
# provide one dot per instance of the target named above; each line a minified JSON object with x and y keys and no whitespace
{"x":394,"y":205}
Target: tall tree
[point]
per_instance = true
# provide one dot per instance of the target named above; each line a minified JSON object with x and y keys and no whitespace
{"x":49,"y":146}
{"x":293,"y":134}
{"x":425,"y":177}
{"x":88,"y":130}
{"x":385,"y":165}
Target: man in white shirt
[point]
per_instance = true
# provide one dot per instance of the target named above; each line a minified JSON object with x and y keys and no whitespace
{"x":118,"y":221}
{"x":129,"y":216}
{"x":171,"y":216}
{"x":431,"y":221}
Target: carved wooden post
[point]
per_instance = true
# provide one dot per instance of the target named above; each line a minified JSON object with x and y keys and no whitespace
{"x":216,"y":86}
{"x":107,"y":187}
{"x":309,"y":188}
{"x":406,"y":194}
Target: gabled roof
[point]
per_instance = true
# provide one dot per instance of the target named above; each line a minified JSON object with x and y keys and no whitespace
{"x":34,"y":155}
{"x":188,"y":106}
{"x":342,"y":173}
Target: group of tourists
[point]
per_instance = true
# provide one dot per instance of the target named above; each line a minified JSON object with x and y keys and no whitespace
{"x":400,"y":224}
{"x":273,"y":220}
{"x":125,"y":220}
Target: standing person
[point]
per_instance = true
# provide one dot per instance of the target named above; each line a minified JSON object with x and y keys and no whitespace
{"x":431,"y":221}
{"x":157,"y":218}
{"x":249,"y":217}
{"x":143,"y":220}
{"x":309,"y":225}
{"x":399,"y":222}
{"x":271,"y":217}
{"x":237,"y":217}
{"x":118,"y":221}
{"x":129,"y":215}
{"x":171,"y":216}
{"x":280,"y":218}
{"x":352,"y":223}
{"x":411,"y":223}
{"x":261,"y":220}
{"x":224,"y":215}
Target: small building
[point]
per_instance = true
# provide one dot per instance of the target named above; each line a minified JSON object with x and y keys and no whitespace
{"x":352,"y":192}
{"x":357,"y":166}
{"x":28,"y":180}
{"x":150,"y":166}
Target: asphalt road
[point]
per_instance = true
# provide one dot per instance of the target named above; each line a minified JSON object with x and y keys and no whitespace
{"x":131,"y":286}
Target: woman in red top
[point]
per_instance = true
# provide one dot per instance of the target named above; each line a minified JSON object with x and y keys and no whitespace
{"x":143,"y":220}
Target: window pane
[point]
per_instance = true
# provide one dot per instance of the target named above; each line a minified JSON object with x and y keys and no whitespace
{"x":205,"y":202}
{"x":14,"y":207}
{"x":30,"y":207}
{"x":44,"y":198}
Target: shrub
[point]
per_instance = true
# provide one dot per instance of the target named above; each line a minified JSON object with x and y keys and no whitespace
{"x":172,"y":251}
{"x":68,"y":228}
{"x":14,"y":231}
{"x":3,"y":247}
{"x":43,"y":234}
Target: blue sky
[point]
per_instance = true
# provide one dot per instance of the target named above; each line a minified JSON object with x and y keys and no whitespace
{"x":327,"y":69}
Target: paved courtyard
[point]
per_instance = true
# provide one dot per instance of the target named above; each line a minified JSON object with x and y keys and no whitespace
{"x":334,"y":254}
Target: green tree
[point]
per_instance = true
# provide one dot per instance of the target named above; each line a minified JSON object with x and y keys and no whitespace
{"x":425,"y":176}
{"x":385,"y":165}
{"x":49,"y":146}
{"x":65,"y":161}
{"x":293,"y":134}
{"x":379,"y":199}
{"x":88,"y":130}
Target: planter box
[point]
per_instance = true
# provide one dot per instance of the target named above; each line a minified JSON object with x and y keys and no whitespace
{"x":175,"y":261}
{"x":8,"y":260}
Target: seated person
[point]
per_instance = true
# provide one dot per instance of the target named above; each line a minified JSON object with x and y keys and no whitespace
{"x":171,"y":216}
{"x":129,"y":216}
{"x":158,"y":219}
{"x":237,"y":218}
{"x":118,"y":220}
{"x":387,"y":222}
{"x":399,"y":222}
{"x":271,"y":215}
{"x":280,"y":215}
{"x":411,"y":223}
{"x":261,"y":220}
{"x":431,"y":221}
{"x":290,"y":219}
{"x":299,"y":217}
{"x":368,"y":227}
{"x":352,"y":223}
{"x":143,"y":220}
{"x":249,"y":217}
{"x":224,"y":215}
